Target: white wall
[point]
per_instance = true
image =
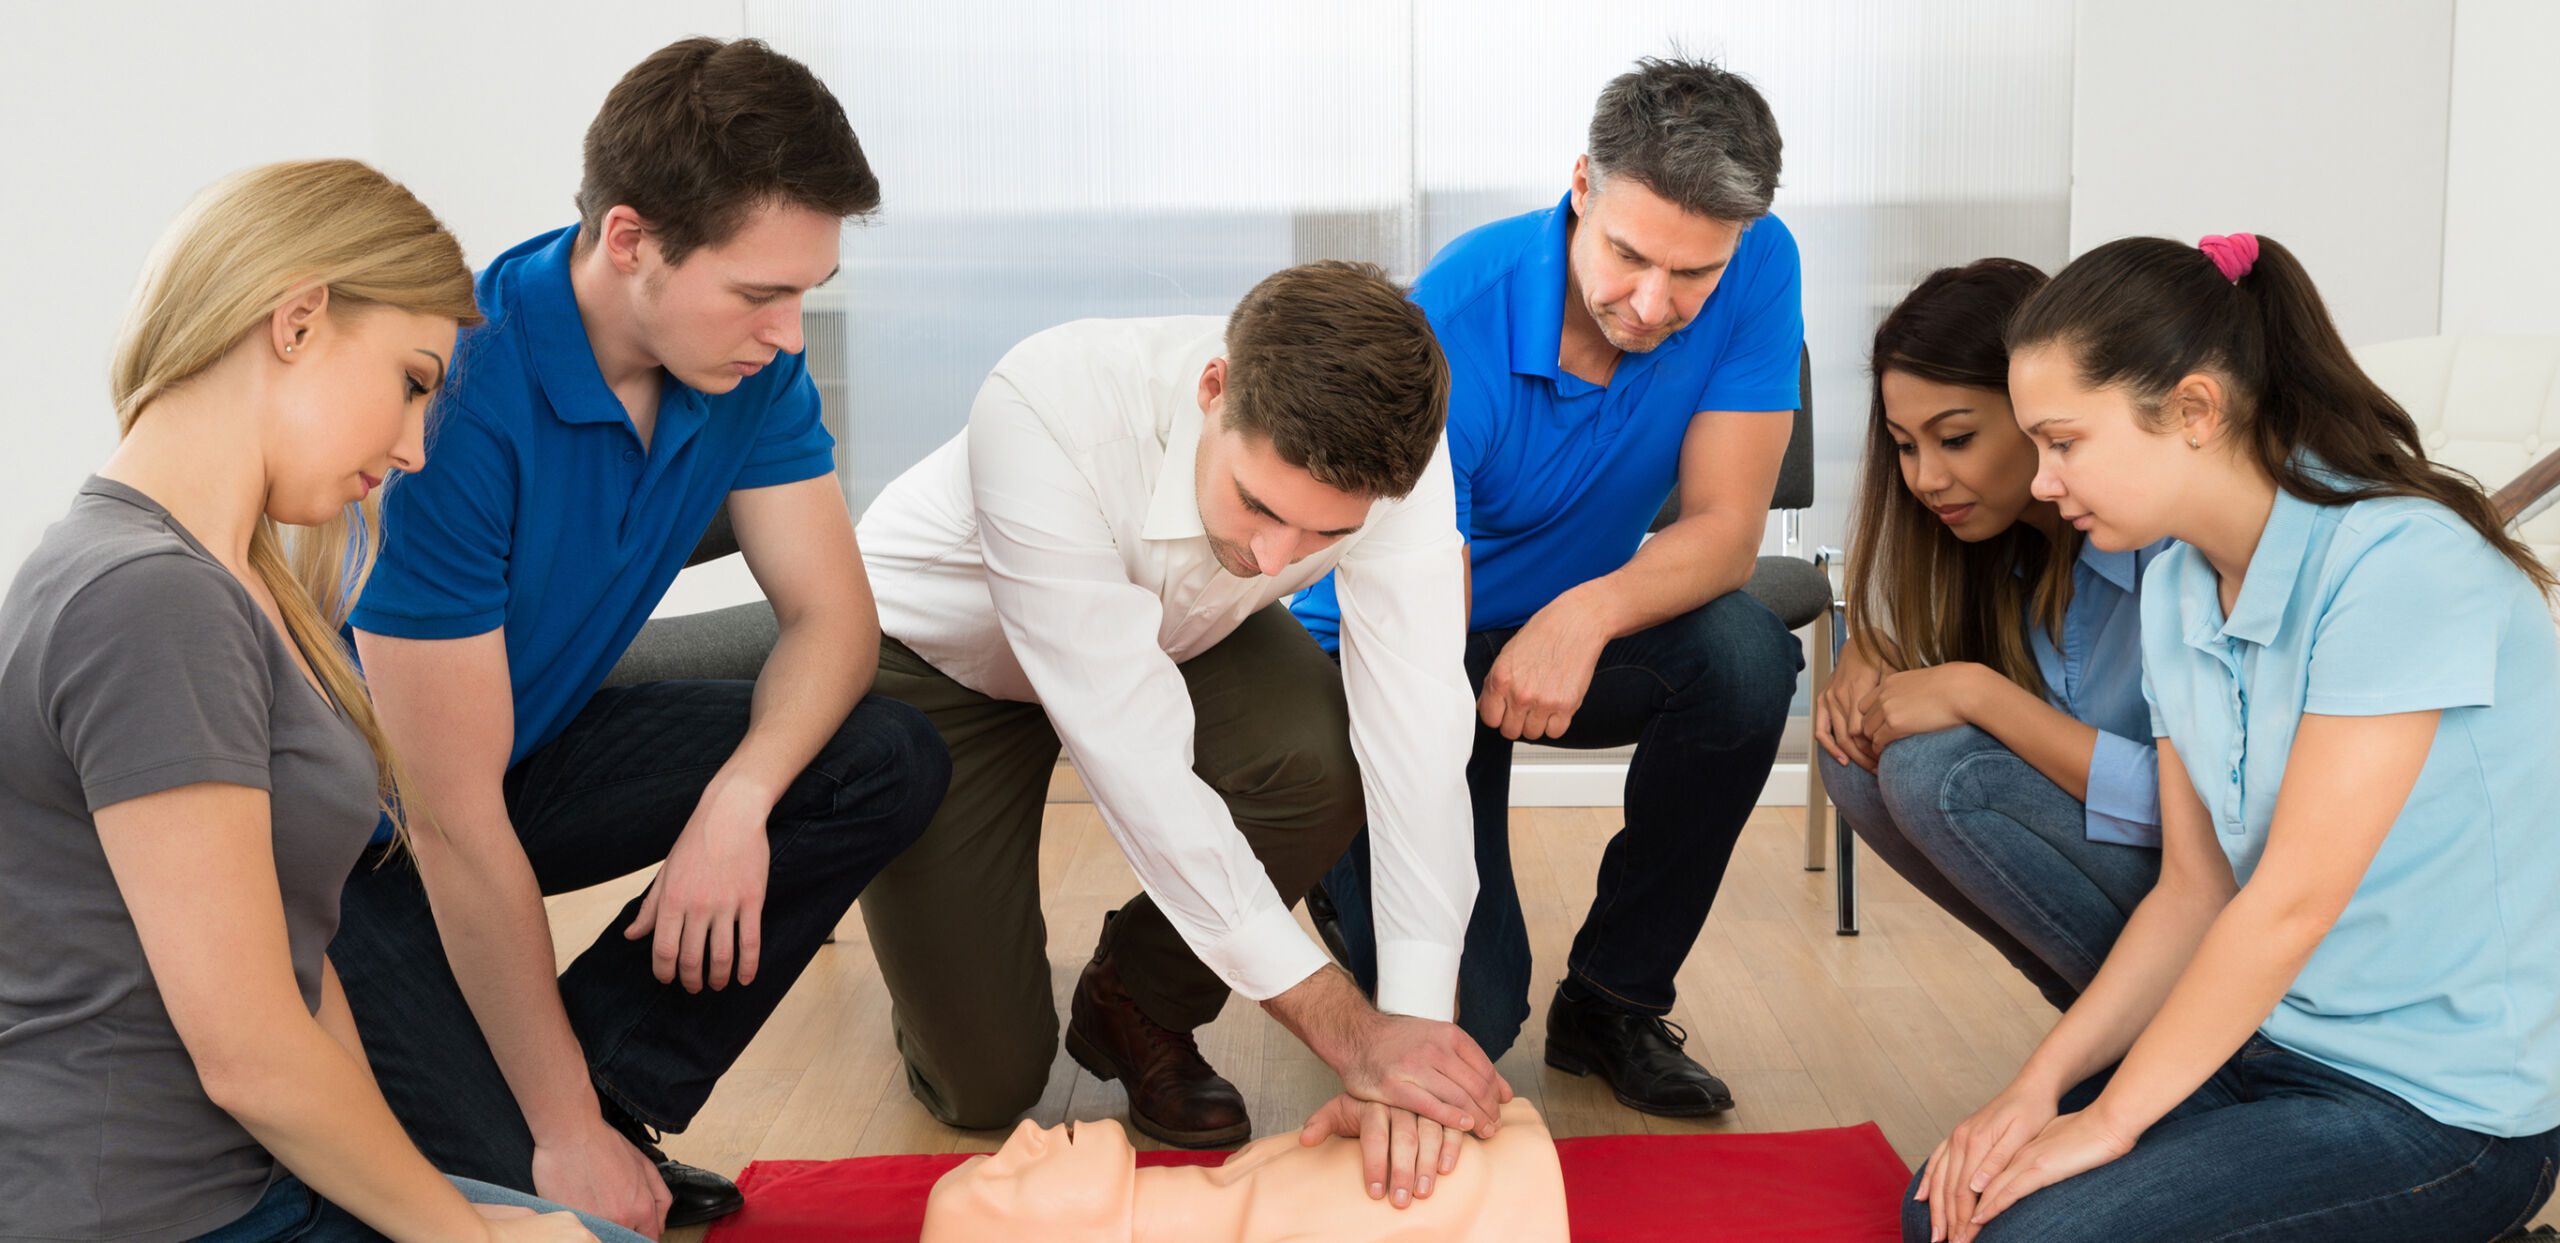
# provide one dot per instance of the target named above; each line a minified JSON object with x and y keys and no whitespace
{"x":113,"y":114}
{"x":2321,"y":123}
{"x":480,"y":105}
{"x":2502,"y":179}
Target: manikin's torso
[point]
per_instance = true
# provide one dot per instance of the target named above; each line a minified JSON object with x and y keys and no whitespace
{"x":1509,"y":1188}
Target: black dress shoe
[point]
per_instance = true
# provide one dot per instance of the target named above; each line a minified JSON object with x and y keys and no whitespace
{"x":696,"y":1195}
{"x":1639,"y":1054}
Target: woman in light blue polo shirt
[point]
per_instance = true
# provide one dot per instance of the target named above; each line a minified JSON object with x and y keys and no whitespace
{"x":2337,"y":1016}
{"x":1985,"y":730}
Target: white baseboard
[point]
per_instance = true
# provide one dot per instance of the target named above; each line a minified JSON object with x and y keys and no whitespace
{"x":1602,"y":783}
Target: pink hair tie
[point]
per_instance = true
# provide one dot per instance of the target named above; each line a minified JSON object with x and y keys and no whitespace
{"x":2234,"y":255}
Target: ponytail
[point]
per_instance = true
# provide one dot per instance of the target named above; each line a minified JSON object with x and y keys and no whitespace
{"x":2143,"y":313}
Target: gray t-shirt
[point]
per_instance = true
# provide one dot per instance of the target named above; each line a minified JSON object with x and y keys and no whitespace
{"x":131,"y":662}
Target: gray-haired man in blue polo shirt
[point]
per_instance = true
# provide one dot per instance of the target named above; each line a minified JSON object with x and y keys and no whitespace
{"x":1639,"y":339}
{"x":637,"y":370}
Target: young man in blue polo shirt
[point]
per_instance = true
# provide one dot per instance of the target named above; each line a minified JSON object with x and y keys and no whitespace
{"x":1640,"y":336}
{"x":637,"y":370}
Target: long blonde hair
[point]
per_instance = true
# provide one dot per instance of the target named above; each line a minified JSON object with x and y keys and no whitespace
{"x":244,"y":247}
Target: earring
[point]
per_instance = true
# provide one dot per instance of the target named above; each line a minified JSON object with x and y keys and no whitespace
{"x":2192,"y":442}
{"x":289,"y":349}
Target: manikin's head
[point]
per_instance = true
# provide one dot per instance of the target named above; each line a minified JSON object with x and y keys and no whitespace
{"x":718,"y":179}
{"x":1075,"y":1183}
{"x":1683,"y":157}
{"x":1330,"y":398}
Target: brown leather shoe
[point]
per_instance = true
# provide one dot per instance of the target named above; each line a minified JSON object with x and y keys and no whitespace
{"x":1173,"y":1095}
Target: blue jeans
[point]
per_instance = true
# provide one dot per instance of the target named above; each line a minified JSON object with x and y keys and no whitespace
{"x":2274,"y":1147}
{"x":606,"y":799}
{"x":290,"y":1213}
{"x":1999,"y":846}
{"x":1704,"y":699}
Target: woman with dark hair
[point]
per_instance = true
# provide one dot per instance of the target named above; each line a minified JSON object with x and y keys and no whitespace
{"x":2337,"y":1016}
{"x":1985,"y":731}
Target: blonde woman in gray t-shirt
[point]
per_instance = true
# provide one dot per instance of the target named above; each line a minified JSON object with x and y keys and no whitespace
{"x":188,"y":762}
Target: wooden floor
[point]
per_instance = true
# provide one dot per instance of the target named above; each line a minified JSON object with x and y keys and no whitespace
{"x":1912,"y":1025}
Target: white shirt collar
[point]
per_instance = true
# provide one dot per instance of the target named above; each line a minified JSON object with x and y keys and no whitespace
{"x":1173,"y":513}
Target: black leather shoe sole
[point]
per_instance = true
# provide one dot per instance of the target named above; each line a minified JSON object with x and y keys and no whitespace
{"x":1090,"y":1056}
{"x":700,"y":1195}
{"x":1574,"y":1062}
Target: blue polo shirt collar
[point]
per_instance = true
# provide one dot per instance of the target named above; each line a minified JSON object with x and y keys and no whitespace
{"x":2274,"y":567}
{"x":1537,"y":299}
{"x":1537,"y":311}
{"x":564,"y":361}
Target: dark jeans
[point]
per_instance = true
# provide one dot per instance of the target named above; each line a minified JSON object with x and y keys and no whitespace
{"x":1704,"y":699}
{"x":605,"y":799}
{"x":2276,"y":1147}
{"x":1998,"y":845}
{"x":291,"y":1213}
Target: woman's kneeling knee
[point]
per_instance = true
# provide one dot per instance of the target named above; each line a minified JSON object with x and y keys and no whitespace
{"x":1912,"y":772}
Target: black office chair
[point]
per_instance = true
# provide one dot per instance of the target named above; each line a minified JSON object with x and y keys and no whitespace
{"x":1798,"y":589}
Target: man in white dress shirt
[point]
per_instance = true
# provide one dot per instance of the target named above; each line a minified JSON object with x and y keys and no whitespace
{"x":1103,"y":559}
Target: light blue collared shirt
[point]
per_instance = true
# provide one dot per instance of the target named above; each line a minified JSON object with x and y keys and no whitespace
{"x":2440,"y":982}
{"x":2096,"y":676}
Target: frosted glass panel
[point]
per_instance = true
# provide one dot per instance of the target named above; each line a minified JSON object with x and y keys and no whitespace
{"x":1916,"y":136}
{"x":1047,"y":162}
{"x":1043,"y":163}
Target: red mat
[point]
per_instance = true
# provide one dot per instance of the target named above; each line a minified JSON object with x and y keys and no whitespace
{"x":1836,"y":1186}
